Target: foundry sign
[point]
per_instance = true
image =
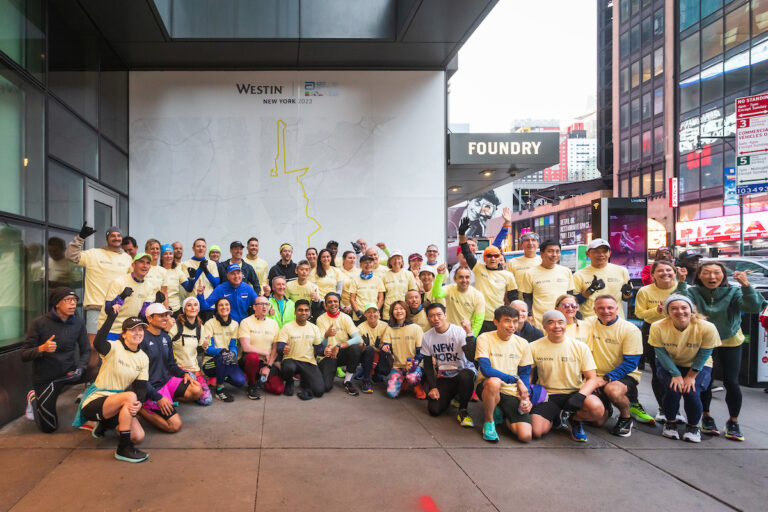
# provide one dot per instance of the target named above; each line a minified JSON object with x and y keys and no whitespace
{"x":504,"y":148}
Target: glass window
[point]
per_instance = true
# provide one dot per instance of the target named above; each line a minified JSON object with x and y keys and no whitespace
{"x":123,"y":214}
{"x":645,"y":30}
{"x":624,"y":115}
{"x":624,"y":79}
{"x":646,"y":68}
{"x":22,"y":147}
{"x":634,"y":147}
{"x":22,"y":280}
{"x":688,"y":212}
{"x":635,"y":109}
{"x":689,"y":174}
{"x":72,"y":140}
{"x":114,"y":167}
{"x":658,"y":181}
{"x":712,"y":40}
{"x":624,"y":10}
{"x":634,"y":38}
{"x":729,"y":125}
{"x":712,"y":171}
{"x":635,"y":184}
{"x":759,"y":16}
{"x":646,"y":144}
{"x":23,"y":34}
{"x":624,"y":44}
{"x":113,"y":115}
{"x":689,"y":95}
{"x":658,"y":61}
{"x":635,"y":68}
{"x":709,"y":6}
{"x":736,"y":73}
{"x":635,"y":6}
{"x":712,"y":83}
{"x":711,"y":209}
{"x":759,"y":60}
{"x":689,"y":52}
{"x":647,"y":183}
{"x":658,"y":101}
{"x":658,"y":140}
{"x":61,"y":271}
{"x":689,"y":13}
{"x":65,"y":196}
{"x":624,"y":187}
{"x":646,"y":106}
{"x":624,"y":151}
{"x":736,"y":27}
{"x":658,"y":23}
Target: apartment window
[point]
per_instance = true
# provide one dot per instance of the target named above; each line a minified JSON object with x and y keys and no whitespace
{"x":645,"y":30}
{"x":647,"y":183}
{"x":759,"y":16}
{"x":646,"y":106}
{"x":689,"y":52}
{"x":646,"y":68}
{"x":658,"y":23}
{"x":658,"y":140}
{"x":635,"y":69}
{"x":646,"y":144}
{"x":635,"y":108}
{"x":658,"y":61}
{"x":658,"y":101}
{"x":712,"y":40}
{"x":634,"y":147}
{"x":624,"y":115}
{"x":658,"y":181}
{"x":736,"y":27}
{"x":624,"y":79}
{"x":689,"y":13}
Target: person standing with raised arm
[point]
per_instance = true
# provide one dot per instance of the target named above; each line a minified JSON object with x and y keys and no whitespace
{"x":462,"y":301}
{"x":529,"y":243}
{"x":542,"y":285}
{"x":199,"y":270}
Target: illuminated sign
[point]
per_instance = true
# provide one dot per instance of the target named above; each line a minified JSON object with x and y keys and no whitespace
{"x":722,"y":229}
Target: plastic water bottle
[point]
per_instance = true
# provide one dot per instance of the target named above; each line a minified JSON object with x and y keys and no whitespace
{"x":522,"y":403}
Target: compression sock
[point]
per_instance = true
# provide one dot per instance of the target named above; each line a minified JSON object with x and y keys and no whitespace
{"x":348,"y":377}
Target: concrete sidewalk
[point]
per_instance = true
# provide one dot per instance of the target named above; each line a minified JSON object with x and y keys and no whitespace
{"x":341,"y":453}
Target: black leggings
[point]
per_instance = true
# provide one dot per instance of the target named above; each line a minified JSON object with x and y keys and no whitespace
{"x":462,"y":385}
{"x":649,"y":356}
{"x":44,"y":404}
{"x":730,"y":362}
{"x":311,"y":378}
{"x":349,"y":357}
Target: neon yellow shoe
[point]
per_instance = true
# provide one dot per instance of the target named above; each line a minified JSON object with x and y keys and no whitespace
{"x":465,"y":420}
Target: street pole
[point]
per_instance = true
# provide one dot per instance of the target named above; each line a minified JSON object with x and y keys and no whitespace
{"x":741,"y":224}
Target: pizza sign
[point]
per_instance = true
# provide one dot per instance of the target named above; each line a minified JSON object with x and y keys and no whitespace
{"x":722,"y":229}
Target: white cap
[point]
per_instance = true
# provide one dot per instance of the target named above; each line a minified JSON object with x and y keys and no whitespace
{"x":156,"y":308}
{"x":394,"y":253}
{"x":598,"y":242}
{"x":428,"y":268}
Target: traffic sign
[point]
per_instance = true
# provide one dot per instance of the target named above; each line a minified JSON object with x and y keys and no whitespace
{"x":752,"y":144}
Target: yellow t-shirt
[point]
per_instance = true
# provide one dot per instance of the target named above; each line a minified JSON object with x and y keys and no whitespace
{"x":261,"y":268}
{"x":404,"y":341}
{"x":142,"y":292}
{"x":647,"y":300}
{"x":462,"y":306}
{"x":560,"y":365}
{"x":505,"y":356}
{"x":345,"y":327}
{"x":614,"y":277}
{"x":380,"y":270}
{"x":301,"y":341}
{"x":296,"y":291}
{"x":119,"y":369}
{"x":610,"y":343}
{"x":373,"y":333}
{"x":580,"y":330}
{"x":420,"y":319}
{"x":185,"y":347}
{"x":101,"y":268}
{"x":493,"y":284}
{"x":156,"y":276}
{"x":682,"y":347}
{"x":546,"y":285}
{"x":172,"y":283}
{"x":260,"y":333}
{"x":220,"y":336}
{"x":347,"y":276}
{"x":396,"y":285}
{"x":207,"y":286}
{"x":326,"y":284}
{"x":366,"y":290}
{"x":519,"y":265}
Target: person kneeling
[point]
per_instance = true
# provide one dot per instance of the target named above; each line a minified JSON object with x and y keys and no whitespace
{"x":167,"y":382}
{"x":566,"y":369}
{"x":220,"y":345}
{"x":300,"y":341}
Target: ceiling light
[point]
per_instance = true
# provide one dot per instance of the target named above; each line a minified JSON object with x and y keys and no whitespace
{"x":487,"y":172}
{"x":454,"y":188}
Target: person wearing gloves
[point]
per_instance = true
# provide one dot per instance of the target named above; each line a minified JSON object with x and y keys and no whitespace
{"x":57,"y":345}
{"x":402,"y":346}
{"x":344,"y":345}
{"x":198,"y":270}
{"x":542,"y":285}
{"x":133,"y":292}
{"x":257,"y":334}
{"x":683,"y":343}
{"x":366,"y":288}
{"x":462,"y":301}
{"x":220,"y":346}
{"x":186,"y":334}
{"x":397,"y":282}
{"x":600,"y":278}
{"x":240,"y":294}
{"x":529,"y":243}
{"x":723,"y":305}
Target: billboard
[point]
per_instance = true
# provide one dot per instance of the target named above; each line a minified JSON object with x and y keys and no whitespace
{"x":628,"y":239}
{"x":722,"y":229}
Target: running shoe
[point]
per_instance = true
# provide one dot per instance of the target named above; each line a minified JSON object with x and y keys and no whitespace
{"x":637,"y":412}
{"x":732,"y":431}
{"x":708,"y":426}
{"x":350,"y":388}
{"x":288,"y":391}
{"x":465,"y":420}
{"x":99,"y":430}
{"x":680,"y":418}
{"x":418,"y":390}
{"x":623,"y":427}
{"x":87,"y":426}
{"x":367,"y":386}
{"x":29,"y":413}
{"x":718,"y":389}
{"x":577,"y":430}
{"x":305,"y":394}
{"x":130,"y":453}
{"x":670,"y":431}
{"x":223,"y":395}
{"x":340,"y":372}
{"x":454,"y":403}
{"x":498,"y":416}
{"x":692,"y":434}
{"x":254,"y":393}
{"x":660,"y":416}
{"x":489,"y":432}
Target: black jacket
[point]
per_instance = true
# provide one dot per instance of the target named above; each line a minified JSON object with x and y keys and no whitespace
{"x":529,"y":333}
{"x":162,"y":364}
{"x":72,"y":346}
{"x":249,"y":274}
{"x":288,"y":271}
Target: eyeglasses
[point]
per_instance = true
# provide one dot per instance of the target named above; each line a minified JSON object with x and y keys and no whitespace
{"x":569,"y":306}
{"x":70,"y":300}
{"x":431,"y":250}
{"x":261,"y":304}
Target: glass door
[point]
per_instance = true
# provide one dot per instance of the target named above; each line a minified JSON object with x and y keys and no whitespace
{"x":100,"y":212}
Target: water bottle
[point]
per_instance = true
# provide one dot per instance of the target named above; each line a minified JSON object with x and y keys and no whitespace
{"x":522,"y":403}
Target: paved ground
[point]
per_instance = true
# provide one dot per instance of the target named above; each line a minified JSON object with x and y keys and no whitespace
{"x":342,"y":453}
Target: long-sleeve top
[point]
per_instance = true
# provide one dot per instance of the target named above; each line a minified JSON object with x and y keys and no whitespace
{"x":240,"y":299}
{"x":249,"y":273}
{"x":104,"y":346}
{"x":723,"y":307}
{"x":162,"y":363}
{"x":70,"y":337}
{"x":278,"y":269}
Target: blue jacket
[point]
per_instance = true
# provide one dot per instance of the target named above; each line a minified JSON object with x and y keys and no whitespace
{"x":240,"y":299}
{"x":162,"y":364}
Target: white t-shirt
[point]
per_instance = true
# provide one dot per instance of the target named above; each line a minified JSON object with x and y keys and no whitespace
{"x":446,"y":349}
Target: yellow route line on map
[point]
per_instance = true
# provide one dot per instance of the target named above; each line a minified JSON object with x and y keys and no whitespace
{"x":274,"y":173}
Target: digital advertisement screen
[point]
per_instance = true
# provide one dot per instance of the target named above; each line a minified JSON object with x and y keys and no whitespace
{"x":629,"y":246}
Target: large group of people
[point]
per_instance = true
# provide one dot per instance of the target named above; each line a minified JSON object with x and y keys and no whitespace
{"x":540,"y":347}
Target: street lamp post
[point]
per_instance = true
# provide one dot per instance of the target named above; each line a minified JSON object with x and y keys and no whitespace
{"x":727,"y":139}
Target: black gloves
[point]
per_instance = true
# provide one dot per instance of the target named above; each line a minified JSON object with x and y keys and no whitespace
{"x":228,"y":357}
{"x":357,"y":247}
{"x":160,"y":297}
{"x":464,"y":226}
{"x":127,"y":292}
{"x":626,"y":289}
{"x":86,"y":231}
{"x":192,"y":272}
{"x":574,"y":402}
{"x":366,"y":340}
{"x":75,"y":374}
{"x":204,"y":265}
{"x":595,"y":285}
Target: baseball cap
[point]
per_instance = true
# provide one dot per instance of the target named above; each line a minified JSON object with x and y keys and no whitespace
{"x":370,"y":305}
{"x":156,"y":308}
{"x":598,"y":242}
{"x":236,"y":243}
{"x":365,"y":258}
{"x":133,"y":321}
{"x":415,"y":256}
{"x":214,"y":248}
{"x":233,"y":267}
{"x":142,"y":255}
{"x":394,"y":253}
{"x":332,"y":242}
{"x":491,"y":249}
{"x":688,"y":255}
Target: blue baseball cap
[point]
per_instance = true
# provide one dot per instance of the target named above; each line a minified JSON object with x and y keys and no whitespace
{"x":233,"y":267}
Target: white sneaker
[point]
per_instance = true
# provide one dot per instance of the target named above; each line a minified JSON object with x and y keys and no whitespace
{"x":670,"y":431}
{"x":718,"y":389}
{"x":692,"y":434}
{"x":29,"y":413}
{"x":680,"y":418}
{"x":660,"y":417}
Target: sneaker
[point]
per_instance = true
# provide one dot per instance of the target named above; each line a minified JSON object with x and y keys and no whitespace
{"x":732,"y":431}
{"x":637,"y":412}
{"x":577,"y":430}
{"x":418,"y":390}
{"x":465,"y":420}
{"x":454,"y":403}
{"x":99,"y":430}
{"x":254,"y":393}
{"x":288,"y":391}
{"x":498,"y":416}
{"x":718,"y":389}
{"x":305,"y":394}
{"x":350,"y":388}
{"x":223,"y":395}
{"x":692,"y":434}
{"x":367,"y":386}
{"x":340,"y":372}
{"x":670,"y":431}
{"x":489,"y":432}
{"x":708,"y":426}
{"x":623,"y":427}
{"x":130,"y":453}
{"x":87,"y":426}
{"x":680,"y":418}
{"x":660,"y":416}
{"x":29,"y":413}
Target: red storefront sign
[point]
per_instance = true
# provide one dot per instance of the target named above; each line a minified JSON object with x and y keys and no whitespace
{"x":722,"y":229}
{"x":672,"y":192}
